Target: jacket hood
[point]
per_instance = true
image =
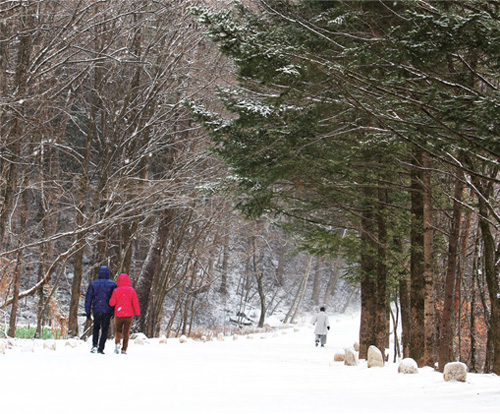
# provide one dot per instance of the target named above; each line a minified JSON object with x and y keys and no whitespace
{"x":123,"y":280}
{"x":103,"y":273}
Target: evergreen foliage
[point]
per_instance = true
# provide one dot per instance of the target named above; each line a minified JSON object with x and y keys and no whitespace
{"x":333,"y":99}
{"x":298,"y":144}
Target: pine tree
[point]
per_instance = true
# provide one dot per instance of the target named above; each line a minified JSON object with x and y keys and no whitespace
{"x":299,"y":145}
{"x":330,"y":94}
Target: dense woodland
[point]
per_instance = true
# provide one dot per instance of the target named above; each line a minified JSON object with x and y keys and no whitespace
{"x":102,"y":164}
{"x":216,"y":151}
{"x":371,"y":129}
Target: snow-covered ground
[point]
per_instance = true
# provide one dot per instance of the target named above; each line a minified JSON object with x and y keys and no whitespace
{"x":277,"y":372}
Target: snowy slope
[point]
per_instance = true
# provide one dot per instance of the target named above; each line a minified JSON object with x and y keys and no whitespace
{"x":277,"y":372}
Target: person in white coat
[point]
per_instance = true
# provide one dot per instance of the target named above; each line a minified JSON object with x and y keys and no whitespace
{"x":322,"y":326}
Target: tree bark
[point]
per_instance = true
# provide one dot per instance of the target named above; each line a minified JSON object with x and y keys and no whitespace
{"x":280,"y":271}
{"x":461,"y":279}
{"x":332,"y":280}
{"x":447,"y":319}
{"x":302,"y":293}
{"x":381,"y":317}
{"x":367,"y":335}
{"x":14,"y":147}
{"x":18,"y":266}
{"x":473,"y":366}
{"x":404,"y":300}
{"x":417,"y":260}
{"x":297,"y":299}
{"x":151,"y":267}
{"x":80,"y":219}
{"x":428,"y":255}
{"x":317,"y":281}
{"x":259,"y":276}
{"x":262,"y":297}
{"x":225,"y":263}
{"x":490,"y":270}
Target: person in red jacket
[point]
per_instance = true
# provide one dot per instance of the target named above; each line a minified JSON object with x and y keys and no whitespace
{"x":126,"y":304}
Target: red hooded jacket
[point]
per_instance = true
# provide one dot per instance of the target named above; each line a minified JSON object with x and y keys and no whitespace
{"x":124,"y":298}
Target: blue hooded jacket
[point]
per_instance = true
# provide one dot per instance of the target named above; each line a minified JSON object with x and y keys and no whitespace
{"x":99,"y":292}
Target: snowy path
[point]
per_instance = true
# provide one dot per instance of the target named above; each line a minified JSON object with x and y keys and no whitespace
{"x":271,"y":373}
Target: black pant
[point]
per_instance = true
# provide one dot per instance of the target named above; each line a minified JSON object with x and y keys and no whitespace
{"x":101,"y":322}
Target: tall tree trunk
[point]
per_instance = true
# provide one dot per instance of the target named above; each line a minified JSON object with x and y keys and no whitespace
{"x":317,"y":281}
{"x":403,"y":291}
{"x":417,"y":268}
{"x":169,"y":272}
{"x":49,"y":172}
{"x":493,"y":290}
{"x":153,"y":310}
{"x":280,"y":271}
{"x":259,"y":276}
{"x":461,"y":272}
{"x":368,"y":286}
{"x":262,"y":297}
{"x":14,"y":146}
{"x":472,"y":336}
{"x":447,"y":320}
{"x":428,"y":246}
{"x":332,"y":280}
{"x":302,"y":293}
{"x":41,"y":297}
{"x":490,"y":271}
{"x":80,"y":218}
{"x":225,"y":263}
{"x":18,"y":266}
{"x":473,"y":366}
{"x":151,"y":267}
{"x":381,"y":332}
{"x":100,"y":253}
{"x":404,"y":300}
{"x":296,"y":301}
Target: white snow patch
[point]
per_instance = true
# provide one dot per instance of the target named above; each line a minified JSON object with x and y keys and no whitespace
{"x":282,"y":374}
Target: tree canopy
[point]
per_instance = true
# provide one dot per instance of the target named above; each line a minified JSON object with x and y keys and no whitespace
{"x":336,"y":104}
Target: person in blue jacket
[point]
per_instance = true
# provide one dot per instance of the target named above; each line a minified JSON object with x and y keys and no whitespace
{"x":97,"y":300}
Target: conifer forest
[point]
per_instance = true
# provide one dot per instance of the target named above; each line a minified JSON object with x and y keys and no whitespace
{"x":242,"y":160}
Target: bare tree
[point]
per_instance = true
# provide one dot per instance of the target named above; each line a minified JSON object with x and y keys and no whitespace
{"x":100,"y":86}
